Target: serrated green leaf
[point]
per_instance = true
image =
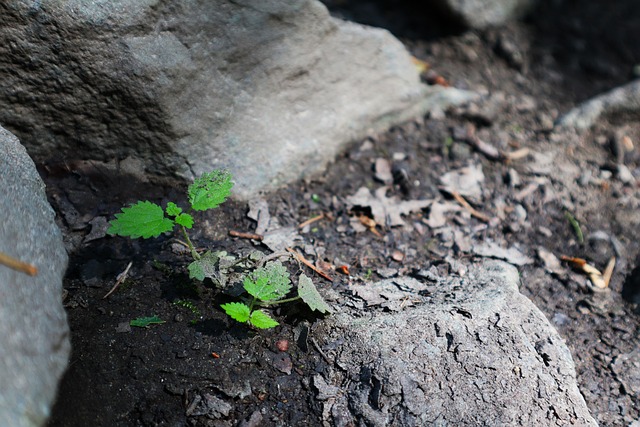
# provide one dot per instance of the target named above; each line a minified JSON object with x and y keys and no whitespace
{"x":185,"y":220}
{"x":268,"y":283}
{"x":144,"y":322}
{"x":173,"y":209}
{"x":309,"y":294}
{"x":143,"y":219}
{"x":210,"y":190}
{"x":237,"y":311}
{"x":262,"y":320}
{"x":204,"y":267}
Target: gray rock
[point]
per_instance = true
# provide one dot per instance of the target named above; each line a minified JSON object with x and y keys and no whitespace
{"x":619,"y":100}
{"x":485,"y":13}
{"x":270,"y":90}
{"x":478,"y":353}
{"x":34,"y":335}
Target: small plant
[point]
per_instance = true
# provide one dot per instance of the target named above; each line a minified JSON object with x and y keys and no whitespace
{"x":268,"y":285}
{"x":146,"y":219}
{"x":189,"y":306}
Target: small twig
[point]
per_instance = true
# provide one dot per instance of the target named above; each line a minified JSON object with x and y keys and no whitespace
{"x":18,"y":265}
{"x":317,"y":346}
{"x":487,"y":149}
{"x":312,"y":220}
{"x":468,"y":207}
{"x":518,"y":154}
{"x":121,"y":278}
{"x":274,"y":255}
{"x":308,"y":264}
{"x":243,"y":235}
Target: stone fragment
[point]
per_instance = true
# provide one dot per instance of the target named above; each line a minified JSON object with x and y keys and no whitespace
{"x":619,"y":100}
{"x":478,"y":353}
{"x":34,"y":336}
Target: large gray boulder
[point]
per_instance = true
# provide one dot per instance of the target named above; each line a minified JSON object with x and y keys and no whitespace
{"x":269,"y":89}
{"x":473,"y":351}
{"x":485,"y":13}
{"x":34,"y":336}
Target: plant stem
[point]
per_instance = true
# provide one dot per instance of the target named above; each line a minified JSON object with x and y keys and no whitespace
{"x":280,"y":301}
{"x":194,"y":253}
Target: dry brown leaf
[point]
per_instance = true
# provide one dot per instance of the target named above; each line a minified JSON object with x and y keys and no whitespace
{"x":386,"y":211}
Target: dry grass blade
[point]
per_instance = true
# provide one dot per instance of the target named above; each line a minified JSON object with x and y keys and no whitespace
{"x":312,"y":220}
{"x":468,"y":207}
{"x":18,"y":265}
{"x":121,"y":278}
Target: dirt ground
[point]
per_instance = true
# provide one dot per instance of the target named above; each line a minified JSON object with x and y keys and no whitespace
{"x":183,"y":371}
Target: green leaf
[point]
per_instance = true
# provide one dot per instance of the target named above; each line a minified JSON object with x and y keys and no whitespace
{"x":185,"y":220}
{"x":144,"y":219}
{"x":237,"y":311}
{"x":173,"y":209}
{"x":204,"y":267}
{"x":262,"y":320}
{"x":268,"y":283}
{"x":210,"y":190}
{"x":309,"y":294}
{"x":144,"y":322}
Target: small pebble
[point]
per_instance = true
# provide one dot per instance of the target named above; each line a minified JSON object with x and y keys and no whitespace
{"x":282,"y":345}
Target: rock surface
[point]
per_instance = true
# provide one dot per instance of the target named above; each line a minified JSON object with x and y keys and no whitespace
{"x":33,"y":324}
{"x":473,"y":352}
{"x":623,"y":99}
{"x":271,"y":90}
{"x":485,"y":13}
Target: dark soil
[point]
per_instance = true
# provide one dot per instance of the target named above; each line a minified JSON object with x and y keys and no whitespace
{"x":177,"y":373}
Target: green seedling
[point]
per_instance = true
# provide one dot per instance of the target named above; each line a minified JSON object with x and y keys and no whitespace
{"x":147,"y":219}
{"x":576,"y":226}
{"x":144,"y":322}
{"x":189,"y":306}
{"x":267,"y":285}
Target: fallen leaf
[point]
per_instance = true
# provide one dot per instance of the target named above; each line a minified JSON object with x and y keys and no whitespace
{"x":279,"y":239}
{"x":437,"y":213}
{"x":259,"y":212}
{"x":386,"y":211}
{"x":466,"y":181}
